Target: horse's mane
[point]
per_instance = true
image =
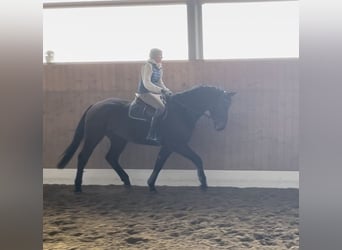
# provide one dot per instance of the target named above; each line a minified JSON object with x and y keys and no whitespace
{"x":196,"y":89}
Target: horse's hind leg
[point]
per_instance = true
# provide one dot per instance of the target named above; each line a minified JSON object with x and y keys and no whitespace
{"x":89,"y":144}
{"x":164,"y":153}
{"x":117,"y":146}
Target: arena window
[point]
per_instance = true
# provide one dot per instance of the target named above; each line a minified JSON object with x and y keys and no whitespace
{"x":115,"y":33}
{"x":267,"y":29}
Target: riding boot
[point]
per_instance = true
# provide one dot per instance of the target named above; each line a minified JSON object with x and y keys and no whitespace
{"x":152,"y":134}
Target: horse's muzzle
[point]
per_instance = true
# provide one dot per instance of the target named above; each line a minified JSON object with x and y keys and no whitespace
{"x":220,"y":126}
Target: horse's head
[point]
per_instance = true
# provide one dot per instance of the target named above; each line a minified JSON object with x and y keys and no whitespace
{"x":219,"y":109}
{"x":201,"y":99}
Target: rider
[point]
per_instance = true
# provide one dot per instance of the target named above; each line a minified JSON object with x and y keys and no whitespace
{"x":151,"y":87}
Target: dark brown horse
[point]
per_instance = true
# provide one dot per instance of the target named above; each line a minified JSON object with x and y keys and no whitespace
{"x":110,"y":118}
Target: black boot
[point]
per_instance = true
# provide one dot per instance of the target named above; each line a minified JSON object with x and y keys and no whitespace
{"x":152,"y":133}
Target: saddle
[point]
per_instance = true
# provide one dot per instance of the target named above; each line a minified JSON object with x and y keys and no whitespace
{"x":139,"y":110}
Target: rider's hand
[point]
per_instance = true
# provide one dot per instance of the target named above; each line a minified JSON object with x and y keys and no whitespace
{"x":167,"y":92}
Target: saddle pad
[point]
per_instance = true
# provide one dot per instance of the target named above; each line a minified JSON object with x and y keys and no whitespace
{"x":140,"y":111}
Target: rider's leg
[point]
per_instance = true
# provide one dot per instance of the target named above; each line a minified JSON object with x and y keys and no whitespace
{"x":152,"y":133}
{"x":155,"y":101}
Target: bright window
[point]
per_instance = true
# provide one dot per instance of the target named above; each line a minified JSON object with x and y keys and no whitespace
{"x":118,"y":33}
{"x":251,"y":30}
{"x":70,"y":1}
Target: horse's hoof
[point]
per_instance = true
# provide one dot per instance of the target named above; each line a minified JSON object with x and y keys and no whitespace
{"x":126,"y":182}
{"x":127,"y":186}
{"x":204,"y":187}
{"x":78,"y":190}
{"x":152,"y":189}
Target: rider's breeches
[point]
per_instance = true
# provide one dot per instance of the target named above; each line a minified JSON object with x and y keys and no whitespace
{"x":154,"y":100}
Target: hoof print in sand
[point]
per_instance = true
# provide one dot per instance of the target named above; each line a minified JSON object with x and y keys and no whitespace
{"x":135,"y":240}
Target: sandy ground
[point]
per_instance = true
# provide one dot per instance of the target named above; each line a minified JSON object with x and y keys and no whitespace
{"x":112,"y":217}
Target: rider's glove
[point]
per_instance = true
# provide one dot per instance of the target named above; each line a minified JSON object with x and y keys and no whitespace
{"x":167,"y":92}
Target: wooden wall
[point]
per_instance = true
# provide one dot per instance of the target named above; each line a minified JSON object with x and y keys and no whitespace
{"x":262,"y":130}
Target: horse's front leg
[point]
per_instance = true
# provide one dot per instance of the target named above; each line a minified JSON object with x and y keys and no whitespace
{"x":163,"y":154}
{"x":188,"y":153}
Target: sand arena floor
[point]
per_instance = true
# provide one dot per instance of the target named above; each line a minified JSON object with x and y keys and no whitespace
{"x":176,"y":218}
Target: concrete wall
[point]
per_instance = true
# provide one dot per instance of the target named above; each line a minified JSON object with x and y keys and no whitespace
{"x":262,"y":131}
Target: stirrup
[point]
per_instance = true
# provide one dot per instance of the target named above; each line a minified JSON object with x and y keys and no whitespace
{"x":153,"y":138}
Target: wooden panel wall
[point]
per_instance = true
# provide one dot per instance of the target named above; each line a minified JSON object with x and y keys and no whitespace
{"x":262,"y":130}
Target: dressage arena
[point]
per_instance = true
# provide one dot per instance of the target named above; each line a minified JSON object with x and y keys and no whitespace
{"x":261,"y":135}
{"x":252,"y":165}
{"x":175,"y":218}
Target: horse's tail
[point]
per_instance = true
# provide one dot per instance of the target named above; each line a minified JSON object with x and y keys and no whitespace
{"x":76,"y":141}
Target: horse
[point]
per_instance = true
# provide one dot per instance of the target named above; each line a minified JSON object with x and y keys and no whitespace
{"x":110,"y":118}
